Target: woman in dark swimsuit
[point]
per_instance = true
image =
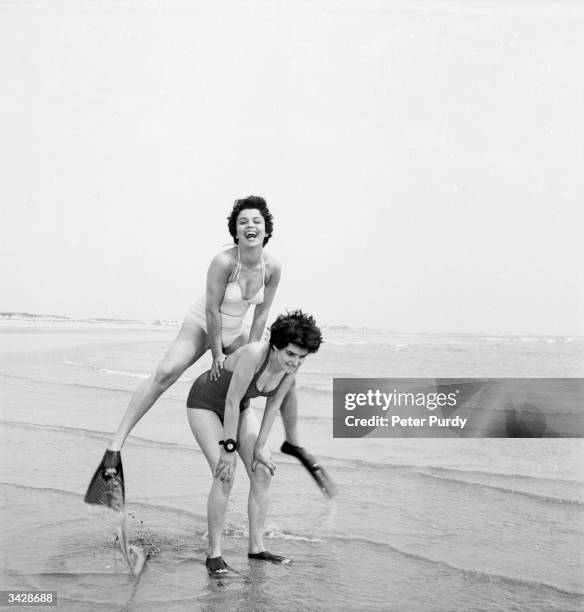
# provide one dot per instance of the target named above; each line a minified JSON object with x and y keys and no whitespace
{"x":222,"y":424}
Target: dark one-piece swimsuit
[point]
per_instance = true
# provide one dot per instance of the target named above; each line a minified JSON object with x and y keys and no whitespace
{"x":211,"y":394}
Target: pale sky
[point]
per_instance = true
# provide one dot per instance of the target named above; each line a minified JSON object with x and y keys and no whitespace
{"x":424,"y":161}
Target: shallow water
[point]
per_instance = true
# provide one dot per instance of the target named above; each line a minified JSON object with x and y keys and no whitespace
{"x":420,"y":524}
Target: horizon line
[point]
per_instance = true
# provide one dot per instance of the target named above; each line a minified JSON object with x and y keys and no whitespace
{"x":10,"y":315}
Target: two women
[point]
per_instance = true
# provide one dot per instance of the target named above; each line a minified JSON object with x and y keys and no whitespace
{"x":242,"y":276}
{"x":223,"y":424}
{"x":238,"y":278}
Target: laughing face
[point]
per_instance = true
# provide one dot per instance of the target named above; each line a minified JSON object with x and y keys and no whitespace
{"x":251,"y":227}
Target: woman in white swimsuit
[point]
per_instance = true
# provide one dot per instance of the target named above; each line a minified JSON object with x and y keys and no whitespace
{"x":239,"y":277}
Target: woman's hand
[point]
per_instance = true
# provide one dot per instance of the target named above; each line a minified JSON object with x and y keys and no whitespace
{"x":261,"y":455}
{"x":217,"y":366}
{"x":225,"y":469}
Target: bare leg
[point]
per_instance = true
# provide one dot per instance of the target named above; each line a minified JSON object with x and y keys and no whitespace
{"x":189,"y":345}
{"x":257,"y":505}
{"x":208,"y":431}
{"x":289,"y":412}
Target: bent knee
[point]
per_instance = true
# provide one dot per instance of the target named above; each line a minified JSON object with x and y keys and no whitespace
{"x":166,"y":374}
{"x":224,"y":486}
{"x":261,"y":476}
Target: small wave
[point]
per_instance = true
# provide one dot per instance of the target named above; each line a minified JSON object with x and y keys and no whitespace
{"x":240,"y":532}
{"x":539,"y":479}
{"x":282,"y":535}
{"x":513,"y":491}
{"x":130,"y":507}
{"x":314,"y":389}
{"x":468,"y":572}
{"x":66,"y":384}
{"x":376,"y":465}
{"x":90,"y":433}
{"x":315,"y":419}
{"x":139,"y":375}
{"x":94,"y":387}
{"x":134,"y":440}
{"x":62,"y":492}
{"x":122,"y":373}
{"x":100,"y":435}
{"x":74,"y":364}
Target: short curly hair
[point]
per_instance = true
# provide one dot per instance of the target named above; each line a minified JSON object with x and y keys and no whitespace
{"x":247,"y":203}
{"x":296,"y":328}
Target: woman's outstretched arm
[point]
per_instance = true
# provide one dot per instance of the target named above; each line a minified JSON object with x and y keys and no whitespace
{"x":217,"y":278}
{"x":247,"y":361}
{"x":260,"y":454}
{"x":261,"y":311}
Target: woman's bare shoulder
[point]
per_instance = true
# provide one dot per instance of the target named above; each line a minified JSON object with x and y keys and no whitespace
{"x":273,"y":267}
{"x":224,"y":261}
{"x":226,"y":257}
{"x":255,"y":350}
{"x":252,"y":354}
{"x":270,"y":259}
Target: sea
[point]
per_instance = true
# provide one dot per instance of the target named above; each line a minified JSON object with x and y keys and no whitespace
{"x":418,"y":524}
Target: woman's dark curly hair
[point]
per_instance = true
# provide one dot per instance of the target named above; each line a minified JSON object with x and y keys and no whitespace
{"x":296,"y":328}
{"x":247,"y":203}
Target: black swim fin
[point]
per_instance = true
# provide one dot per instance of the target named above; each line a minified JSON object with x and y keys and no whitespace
{"x":314,"y":468}
{"x":107,"y":485}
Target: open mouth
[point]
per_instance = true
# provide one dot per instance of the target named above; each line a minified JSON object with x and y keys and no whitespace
{"x":251,"y":235}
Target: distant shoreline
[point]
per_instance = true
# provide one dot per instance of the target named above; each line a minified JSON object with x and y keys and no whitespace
{"x":30,"y":320}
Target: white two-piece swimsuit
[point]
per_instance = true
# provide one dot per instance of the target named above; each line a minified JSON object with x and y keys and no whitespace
{"x":233,"y":307}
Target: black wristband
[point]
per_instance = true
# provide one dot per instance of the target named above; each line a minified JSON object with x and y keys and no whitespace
{"x":230,"y":445}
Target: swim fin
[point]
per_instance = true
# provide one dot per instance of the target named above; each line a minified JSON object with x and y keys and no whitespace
{"x":107,"y":485}
{"x":316,"y":470}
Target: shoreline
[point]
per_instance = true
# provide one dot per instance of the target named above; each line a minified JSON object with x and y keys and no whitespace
{"x":83,"y":325}
{"x":48,"y":323}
